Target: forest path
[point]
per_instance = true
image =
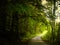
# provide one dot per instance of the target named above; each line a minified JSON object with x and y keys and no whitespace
{"x":37,"y":41}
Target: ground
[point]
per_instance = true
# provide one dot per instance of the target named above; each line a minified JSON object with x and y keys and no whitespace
{"x":37,"y":41}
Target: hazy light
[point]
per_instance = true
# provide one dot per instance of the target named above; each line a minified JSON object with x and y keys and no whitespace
{"x":44,"y":2}
{"x":57,"y":20}
{"x":44,"y":32}
{"x":38,"y":37}
{"x":57,"y":13}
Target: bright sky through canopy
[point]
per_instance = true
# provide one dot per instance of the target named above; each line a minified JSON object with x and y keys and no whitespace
{"x":57,"y":13}
{"x":44,"y":2}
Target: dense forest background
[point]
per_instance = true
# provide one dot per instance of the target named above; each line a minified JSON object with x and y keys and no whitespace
{"x":21,"y":20}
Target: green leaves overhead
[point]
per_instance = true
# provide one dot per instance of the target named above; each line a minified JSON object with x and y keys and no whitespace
{"x":25,"y":15}
{"x":27,"y":10}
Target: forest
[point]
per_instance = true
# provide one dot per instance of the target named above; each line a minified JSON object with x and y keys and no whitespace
{"x":29,"y":22}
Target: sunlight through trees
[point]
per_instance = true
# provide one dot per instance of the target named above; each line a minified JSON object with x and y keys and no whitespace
{"x":21,"y":20}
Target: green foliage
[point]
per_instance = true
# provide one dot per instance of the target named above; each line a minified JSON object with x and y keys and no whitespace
{"x":27,"y":10}
{"x":26,"y":18}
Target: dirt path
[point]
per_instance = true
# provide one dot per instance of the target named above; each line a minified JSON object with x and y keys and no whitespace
{"x":37,"y":41}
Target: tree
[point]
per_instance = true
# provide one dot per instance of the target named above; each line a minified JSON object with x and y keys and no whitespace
{"x":21,"y":18}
